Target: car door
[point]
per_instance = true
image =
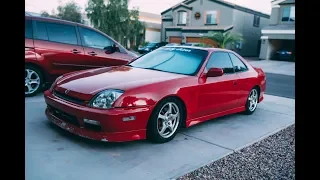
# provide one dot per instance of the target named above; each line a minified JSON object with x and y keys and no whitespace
{"x":245,"y":79}
{"x":59,"y":47}
{"x":94,"y":43}
{"x":218,"y":94}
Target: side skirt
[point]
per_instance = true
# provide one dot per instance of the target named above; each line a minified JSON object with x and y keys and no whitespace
{"x":198,"y":120}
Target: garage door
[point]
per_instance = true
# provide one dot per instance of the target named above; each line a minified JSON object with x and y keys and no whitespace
{"x":202,"y":40}
{"x":173,"y":39}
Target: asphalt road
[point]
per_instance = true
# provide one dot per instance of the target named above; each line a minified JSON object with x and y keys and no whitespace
{"x":280,"y":85}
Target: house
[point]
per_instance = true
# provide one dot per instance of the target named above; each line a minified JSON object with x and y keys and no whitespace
{"x":190,"y":20}
{"x":153,"y":26}
{"x":152,"y":23}
{"x":280,"y":34}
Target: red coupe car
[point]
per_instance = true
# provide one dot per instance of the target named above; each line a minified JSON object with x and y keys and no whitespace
{"x":155,"y":95}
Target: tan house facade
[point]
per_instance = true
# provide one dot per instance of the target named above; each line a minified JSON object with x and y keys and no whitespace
{"x":191,"y":20}
{"x":280,"y":34}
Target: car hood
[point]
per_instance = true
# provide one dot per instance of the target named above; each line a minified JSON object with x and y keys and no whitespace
{"x":85,"y":84}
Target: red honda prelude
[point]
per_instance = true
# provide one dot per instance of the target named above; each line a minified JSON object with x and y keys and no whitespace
{"x":155,"y":95}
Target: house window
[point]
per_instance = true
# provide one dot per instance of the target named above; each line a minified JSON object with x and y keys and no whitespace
{"x":288,"y":14}
{"x":256,"y":21}
{"x":211,"y":17}
{"x":182,"y":17}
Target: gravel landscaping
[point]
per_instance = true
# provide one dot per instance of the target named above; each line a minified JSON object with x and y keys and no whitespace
{"x":271,"y":158}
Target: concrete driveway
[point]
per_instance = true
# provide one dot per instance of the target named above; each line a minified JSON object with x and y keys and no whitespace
{"x":275,"y":67}
{"x":52,"y":153}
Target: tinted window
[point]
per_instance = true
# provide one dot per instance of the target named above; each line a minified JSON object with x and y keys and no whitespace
{"x":220,"y":60}
{"x":28,"y":29}
{"x":237,"y":63}
{"x":41,"y":31}
{"x":62,"y":33}
{"x":94,"y":39}
{"x":175,"y":60}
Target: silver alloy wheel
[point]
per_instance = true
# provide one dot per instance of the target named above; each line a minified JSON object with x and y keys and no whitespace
{"x":253,"y":99}
{"x":168,"y":120}
{"x":31,"y":81}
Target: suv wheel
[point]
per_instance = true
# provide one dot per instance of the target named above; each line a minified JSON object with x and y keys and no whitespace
{"x":33,"y":80}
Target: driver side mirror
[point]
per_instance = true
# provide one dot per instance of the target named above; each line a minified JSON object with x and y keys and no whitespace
{"x":111,"y":49}
{"x":214,"y":72}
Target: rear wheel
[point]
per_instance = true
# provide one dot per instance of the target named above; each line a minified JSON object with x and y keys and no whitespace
{"x":165,"y":121}
{"x":252,"y":101}
{"x":33,"y":80}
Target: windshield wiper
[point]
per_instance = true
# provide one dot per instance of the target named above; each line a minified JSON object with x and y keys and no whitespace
{"x":155,"y":69}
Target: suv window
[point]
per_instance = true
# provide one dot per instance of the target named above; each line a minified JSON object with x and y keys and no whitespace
{"x":41,"y":31}
{"x":62,"y":33}
{"x":238,"y":65}
{"x":220,"y":60}
{"x":94,"y":39}
{"x":28,"y":29}
{"x":56,"y":32}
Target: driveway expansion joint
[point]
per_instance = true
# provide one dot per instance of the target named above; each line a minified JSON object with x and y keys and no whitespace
{"x":208,"y":142}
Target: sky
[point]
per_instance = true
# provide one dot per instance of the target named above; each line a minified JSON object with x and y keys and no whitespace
{"x":151,"y":6}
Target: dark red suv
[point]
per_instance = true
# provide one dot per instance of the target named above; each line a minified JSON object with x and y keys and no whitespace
{"x":54,"y":47}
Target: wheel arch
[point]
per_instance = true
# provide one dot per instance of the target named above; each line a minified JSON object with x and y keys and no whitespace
{"x":39,"y":68}
{"x":183,"y":104}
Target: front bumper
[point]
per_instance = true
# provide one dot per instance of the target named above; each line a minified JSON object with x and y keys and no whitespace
{"x":112,"y":127}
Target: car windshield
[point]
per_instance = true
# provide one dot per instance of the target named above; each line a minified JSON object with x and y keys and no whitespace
{"x":185,"y":61}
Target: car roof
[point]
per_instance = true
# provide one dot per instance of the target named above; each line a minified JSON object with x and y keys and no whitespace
{"x":49,"y":19}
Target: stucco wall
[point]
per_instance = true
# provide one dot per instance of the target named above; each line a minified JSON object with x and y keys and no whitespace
{"x":243,"y":24}
{"x":226,"y":13}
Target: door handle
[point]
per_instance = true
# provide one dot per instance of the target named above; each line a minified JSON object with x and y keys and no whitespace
{"x":92,"y":53}
{"x":235,"y":82}
{"x":75,"y":51}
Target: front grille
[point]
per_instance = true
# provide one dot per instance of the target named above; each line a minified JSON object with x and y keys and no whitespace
{"x":69,"y":98}
{"x":64,"y":116}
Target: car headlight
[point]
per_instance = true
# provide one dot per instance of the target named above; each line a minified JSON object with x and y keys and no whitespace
{"x":54,"y":83}
{"x":105,"y":99}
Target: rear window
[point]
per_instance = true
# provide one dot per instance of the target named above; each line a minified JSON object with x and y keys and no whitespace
{"x":41,"y":31}
{"x":28,"y":29}
{"x":56,"y":32}
{"x":185,"y":61}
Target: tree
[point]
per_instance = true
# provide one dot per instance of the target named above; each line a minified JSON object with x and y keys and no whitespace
{"x":71,"y":11}
{"x":114,"y":18}
{"x":46,"y":14}
{"x":223,"y":39}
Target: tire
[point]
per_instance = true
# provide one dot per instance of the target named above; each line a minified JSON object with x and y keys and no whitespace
{"x":33,"y":80}
{"x":253,"y":97}
{"x":169,"y":123}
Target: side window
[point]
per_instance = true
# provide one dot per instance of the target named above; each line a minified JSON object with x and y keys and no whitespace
{"x":62,"y":33}
{"x":238,"y":65}
{"x":220,"y":60}
{"x":41,"y":31}
{"x":28,"y":29}
{"x":94,"y":39}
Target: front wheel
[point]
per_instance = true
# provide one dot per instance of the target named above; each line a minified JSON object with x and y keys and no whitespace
{"x":165,"y":121}
{"x":252,"y":101}
{"x":32,"y":81}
